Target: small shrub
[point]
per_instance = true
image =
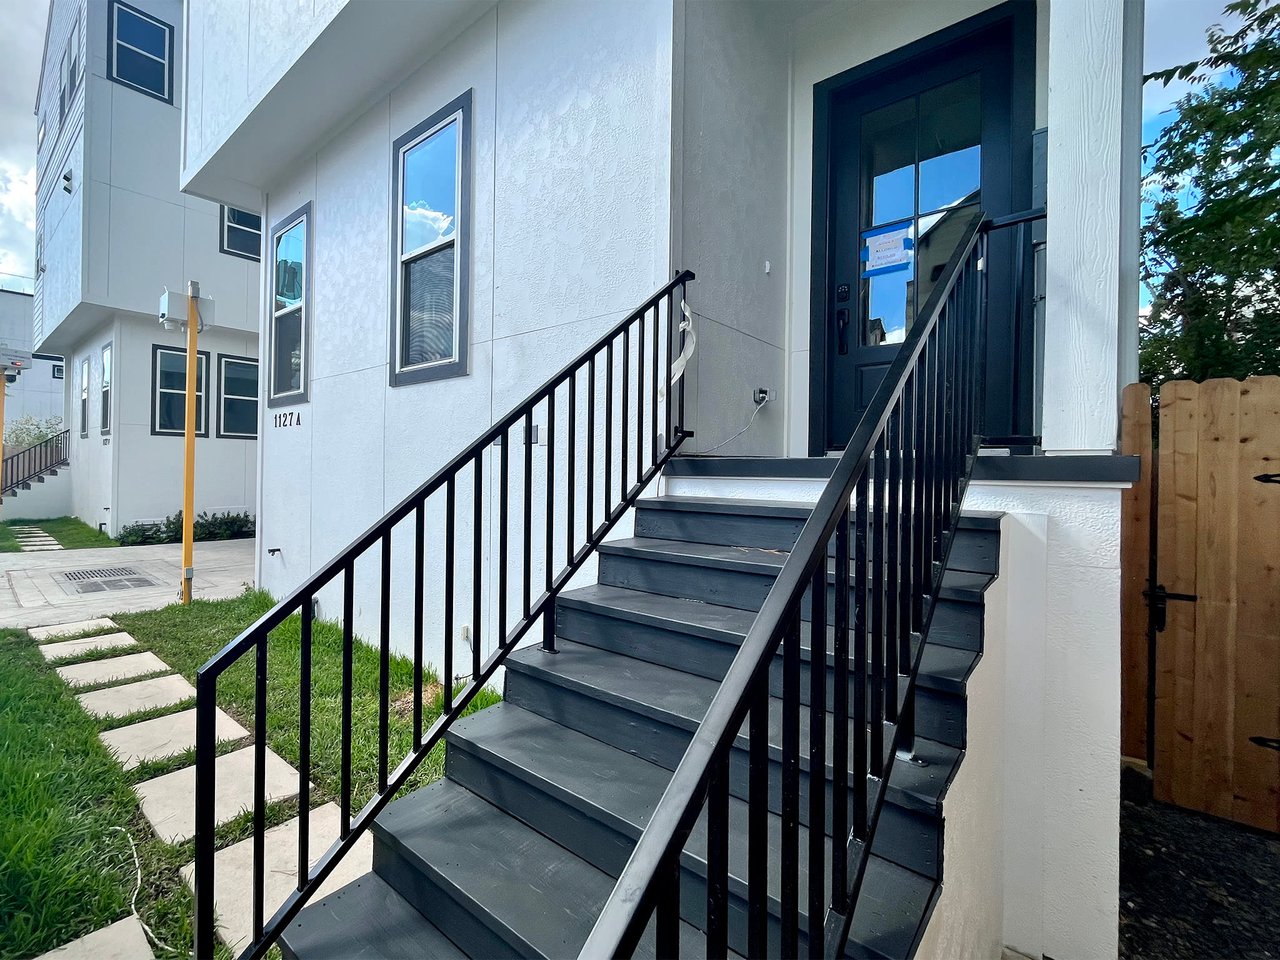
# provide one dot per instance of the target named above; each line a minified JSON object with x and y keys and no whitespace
{"x":28,"y":431}
{"x":218,"y":526}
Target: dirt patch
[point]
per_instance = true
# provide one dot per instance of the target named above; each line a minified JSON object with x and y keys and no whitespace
{"x":402,"y":707}
{"x":1193,"y":887}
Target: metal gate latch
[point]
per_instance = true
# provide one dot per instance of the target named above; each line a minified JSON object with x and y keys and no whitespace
{"x":1268,"y":478}
{"x":1158,"y":602}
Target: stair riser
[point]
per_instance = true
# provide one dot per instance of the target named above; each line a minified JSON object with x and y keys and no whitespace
{"x":711,"y":658}
{"x":665,"y":744}
{"x":433,"y":897}
{"x":770,"y":533}
{"x":977,"y":550}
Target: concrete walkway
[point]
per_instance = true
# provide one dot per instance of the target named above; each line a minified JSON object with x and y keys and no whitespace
{"x":167,"y":800}
{"x":44,"y":587}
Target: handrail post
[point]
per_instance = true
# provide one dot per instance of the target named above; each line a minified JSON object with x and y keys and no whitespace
{"x":206,"y":694}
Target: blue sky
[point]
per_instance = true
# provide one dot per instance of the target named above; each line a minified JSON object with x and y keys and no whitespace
{"x":1174,"y":34}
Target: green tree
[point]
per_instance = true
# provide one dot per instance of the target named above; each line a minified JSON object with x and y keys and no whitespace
{"x":1211,"y":244}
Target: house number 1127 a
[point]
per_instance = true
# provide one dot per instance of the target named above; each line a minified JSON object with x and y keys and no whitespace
{"x":288,"y":419}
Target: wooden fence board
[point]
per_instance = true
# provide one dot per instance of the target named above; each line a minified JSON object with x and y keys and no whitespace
{"x":1135,"y":550}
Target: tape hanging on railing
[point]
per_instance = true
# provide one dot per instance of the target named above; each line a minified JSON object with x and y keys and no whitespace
{"x":686,"y":351}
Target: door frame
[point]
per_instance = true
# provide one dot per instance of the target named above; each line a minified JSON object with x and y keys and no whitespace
{"x":1012,"y":23}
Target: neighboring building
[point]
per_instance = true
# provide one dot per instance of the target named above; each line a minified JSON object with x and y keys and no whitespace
{"x":38,"y":392}
{"x":112,"y":231}
{"x":458,"y":197}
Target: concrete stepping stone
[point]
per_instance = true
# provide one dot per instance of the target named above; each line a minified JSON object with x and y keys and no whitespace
{"x":135,"y":697}
{"x":116,"y":668}
{"x":74,"y":648}
{"x":26,"y":549}
{"x":123,"y":940}
{"x":162,"y":737}
{"x":169,"y":801}
{"x":72,"y":629}
{"x":233,"y":872}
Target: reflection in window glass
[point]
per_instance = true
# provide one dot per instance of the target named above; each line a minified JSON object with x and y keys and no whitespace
{"x":106,"y":389}
{"x":288,"y":322}
{"x":950,"y":138}
{"x":169,"y":385}
{"x":290,"y":264}
{"x":140,"y":51}
{"x":888,"y":162}
{"x":238,"y":416}
{"x":429,"y":203}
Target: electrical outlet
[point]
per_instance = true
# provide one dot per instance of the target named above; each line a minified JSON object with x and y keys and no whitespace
{"x":761,"y":395}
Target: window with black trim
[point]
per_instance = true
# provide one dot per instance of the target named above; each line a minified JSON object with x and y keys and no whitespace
{"x":70,"y":71}
{"x":432,"y":190}
{"x":58,"y":373}
{"x":106,"y":389}
{"x":241,"y":233}
{"x":169,"y":391}
{"x":290,"y":309}
{"x":84,"y":397}
{"x":140,"y":51}
{"x":237,"y":396}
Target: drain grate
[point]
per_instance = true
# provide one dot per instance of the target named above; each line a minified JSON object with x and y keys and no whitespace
{"x":103,"y":580}
{"x":100,"y":573}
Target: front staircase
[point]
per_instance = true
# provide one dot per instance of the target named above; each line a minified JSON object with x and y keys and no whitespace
{"x":515,"y":851}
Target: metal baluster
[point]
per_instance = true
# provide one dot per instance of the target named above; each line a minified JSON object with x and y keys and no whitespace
{"x":625,"y":425}
{"x":757,"y":820}
{"x":504,"y":488}
{"x":790,"y":859}
{"x":673,"y":333}
{"x":608,"y":433}
{"x":527,"y":579}
{"x":818,"y":750}
{"x":840,"y":723}
{"x":477,"y":593}
{"x":206,"y":744}
{"x":653,"y":419}
{"x":876,"y":639}
{"x":384,"y":661}
{"x":419,"y":581}
{"x":858,"y":654}
{"x":450,"y":564}
{"x":892,"y":558}
{"x":549,"y":550}
{"x":259,"y":786}
{"x":667,"y":907}
{"x":348,"y":648}
{"x":906,"y":524}
{"x":718,"y":858}
{"x":591,"y":449}
{"x":680,"y":412}
{"x":640,"y":398}
{"x":571,"y":468}
{"x":304,"y":740}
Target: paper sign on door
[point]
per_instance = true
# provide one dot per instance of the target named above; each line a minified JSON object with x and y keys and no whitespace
{"x":887,"y":249}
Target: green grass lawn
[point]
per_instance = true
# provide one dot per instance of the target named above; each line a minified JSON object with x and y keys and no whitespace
{"x":71,"y":532}
{"x":63,"y":870}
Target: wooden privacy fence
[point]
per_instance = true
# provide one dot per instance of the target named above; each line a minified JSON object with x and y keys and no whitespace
{"x":1216,"y":512}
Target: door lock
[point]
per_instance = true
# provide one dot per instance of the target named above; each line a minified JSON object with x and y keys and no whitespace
{"x":842,"y":329}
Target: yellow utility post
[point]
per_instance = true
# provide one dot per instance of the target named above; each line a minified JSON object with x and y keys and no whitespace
{"x":189,"y":460}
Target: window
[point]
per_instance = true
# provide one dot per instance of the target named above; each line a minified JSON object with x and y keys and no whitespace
{"x":140,"y":51}
{"x":169,"y":391}
{"x":241,"y":233}
{"x":40,"y":135}
{"x":58,"y":373}
{"x":70,"y":71}
{"x":431,"y":232}
{"x":39,"y":253}
{"x":238,"y":396}
{"x":106,"y":389}
{"x":290,"y":310}
{"x":84,"y":397}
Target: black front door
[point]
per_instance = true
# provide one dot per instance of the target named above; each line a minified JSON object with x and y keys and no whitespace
{"x":915,"y":152}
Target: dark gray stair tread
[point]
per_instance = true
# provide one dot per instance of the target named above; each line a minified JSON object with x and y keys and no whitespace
{"x":980,"y":520}
{"x":603,"y":782}
{"x":729,"y":505}
{"x":365,"y":920}
{"x":542,"y":898}
{"x":681,"y":699}
{"x":892,"y":906}
{"x":956,"y":584}
{"x":944,"y":668}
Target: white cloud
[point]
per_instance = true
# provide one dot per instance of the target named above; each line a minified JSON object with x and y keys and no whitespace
{"x":17,"y":224}
{"x":422,"y":225}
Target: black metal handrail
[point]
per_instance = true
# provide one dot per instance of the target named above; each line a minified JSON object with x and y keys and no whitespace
{"x":631,"y":364}
{"x":35,"y":461}
{"x":883,"y":524}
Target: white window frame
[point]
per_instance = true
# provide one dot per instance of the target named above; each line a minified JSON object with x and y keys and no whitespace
{"x":116,"y":43}
{"x":301,"y":395}
{"x":108,"y":375}
{"x":223,"y":360}
{"x":223,"y":246}
{"x":459,"y":112}
{"x":84,"y":397}
{"x":202,"y":360}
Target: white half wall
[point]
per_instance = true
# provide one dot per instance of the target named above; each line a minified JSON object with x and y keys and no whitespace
{"x":43,"y":501}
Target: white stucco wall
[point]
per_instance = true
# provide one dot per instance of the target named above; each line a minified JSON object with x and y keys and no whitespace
{"x":42,"y":502}
{"x":570,"y":230}
{"x":36,"y":393}
{"x":129,"y":474}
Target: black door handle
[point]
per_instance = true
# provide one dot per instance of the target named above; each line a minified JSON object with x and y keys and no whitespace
{"x":1268,"y":478}
{"x":842,"y":329}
